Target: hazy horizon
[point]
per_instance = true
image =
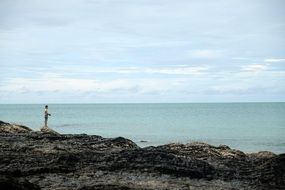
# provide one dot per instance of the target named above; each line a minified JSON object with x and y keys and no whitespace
{"x":58,"y":103}
{"x":123,"y":51}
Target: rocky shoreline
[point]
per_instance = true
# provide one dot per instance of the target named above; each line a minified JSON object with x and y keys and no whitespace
{"x":48,"y":160}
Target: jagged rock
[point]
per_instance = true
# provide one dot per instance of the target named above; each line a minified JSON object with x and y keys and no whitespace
{"x":55,"y":161}
{"x":13,"y":128}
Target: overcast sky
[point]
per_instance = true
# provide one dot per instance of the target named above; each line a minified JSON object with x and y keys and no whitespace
{"x":96,"y":51}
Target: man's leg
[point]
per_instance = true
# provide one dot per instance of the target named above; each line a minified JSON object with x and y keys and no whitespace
{"x":46,"y":121}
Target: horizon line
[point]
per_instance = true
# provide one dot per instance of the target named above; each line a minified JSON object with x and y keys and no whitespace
{"x":230,"y":102}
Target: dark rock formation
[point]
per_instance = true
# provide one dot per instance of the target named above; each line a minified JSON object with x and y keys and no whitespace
{"x":9,"y":183}
{"x":87,"y":162}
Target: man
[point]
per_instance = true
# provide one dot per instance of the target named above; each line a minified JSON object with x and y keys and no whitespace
{"x":46,"y":115}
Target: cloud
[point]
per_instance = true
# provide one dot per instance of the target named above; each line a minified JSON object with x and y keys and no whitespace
{"x":205,"y":54}
{"x":113,"y":46}
{"x":56,"y":83}
{"x":273,"y":60}
{"x":181,"y":70}
{"x":229,"y":89}
{"x":241,"y":58}
{"x":167,"y":71}
{"x":254,"y":68}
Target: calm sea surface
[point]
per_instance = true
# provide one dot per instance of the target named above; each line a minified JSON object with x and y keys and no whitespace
{"x":249,"y":127}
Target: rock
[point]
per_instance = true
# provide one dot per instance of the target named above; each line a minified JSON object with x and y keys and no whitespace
{"x":8,"y":183}
{"x":46,"y":129}
{"x":56,"y":161}
{"x":263,"y":154}
{"x":105,"y":187}
{"x":13,"y":128}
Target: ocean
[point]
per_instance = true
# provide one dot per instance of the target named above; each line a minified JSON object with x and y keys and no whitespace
{"x":249,"y":127}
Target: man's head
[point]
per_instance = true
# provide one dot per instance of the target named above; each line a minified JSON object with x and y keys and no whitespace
{"x":46,"y":106}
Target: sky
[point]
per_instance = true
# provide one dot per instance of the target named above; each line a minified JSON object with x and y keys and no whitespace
{"x":124,"y":51}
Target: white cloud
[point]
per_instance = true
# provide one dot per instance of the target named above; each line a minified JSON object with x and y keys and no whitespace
{"x":254,"y":68}
{"x":56,"y":83}
{"x":241,"y":58}
{"x":165,"y":70}
{"x":273,"y":60}
{"x":178,"y":71}
{"x":230,"y":89}
{"x":174,"y":70}
{"x":205,"y":54}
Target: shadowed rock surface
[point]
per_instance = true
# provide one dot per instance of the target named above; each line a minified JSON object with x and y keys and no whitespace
{"x":39,"y":160}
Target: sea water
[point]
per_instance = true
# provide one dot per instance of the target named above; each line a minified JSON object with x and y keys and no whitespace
{"x":250,"y":127}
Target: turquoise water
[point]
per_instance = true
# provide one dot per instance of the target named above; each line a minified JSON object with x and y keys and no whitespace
{"x":249,"y":127}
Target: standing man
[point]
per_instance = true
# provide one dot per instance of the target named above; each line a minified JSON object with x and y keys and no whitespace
{"x":46,"y":115}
